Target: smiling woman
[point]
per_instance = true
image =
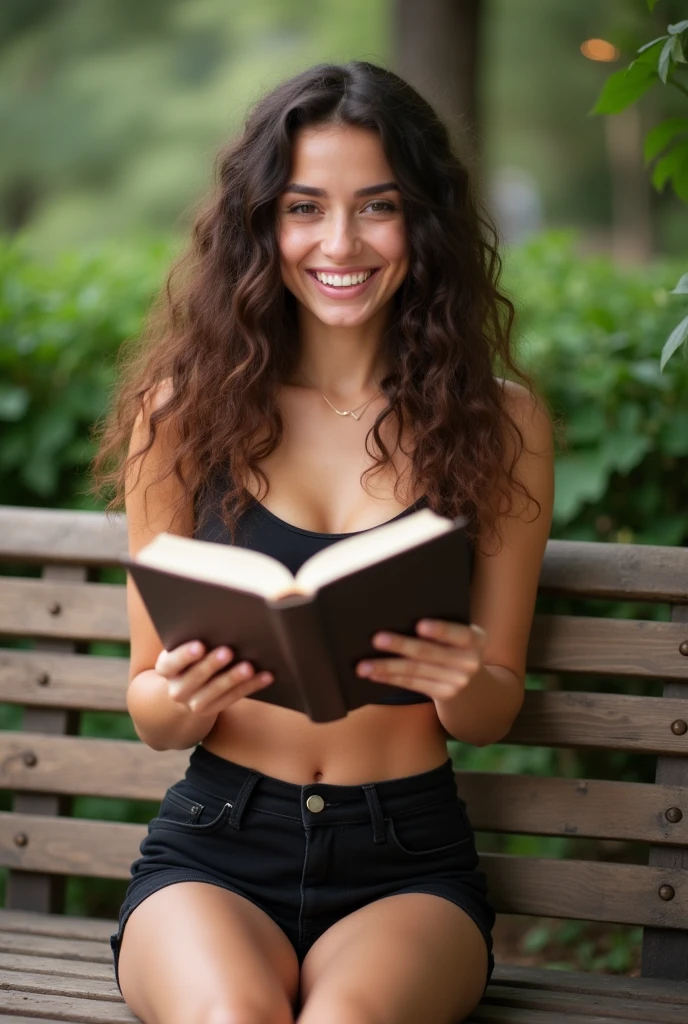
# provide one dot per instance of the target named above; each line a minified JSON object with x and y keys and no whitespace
{"x":331,"y":347}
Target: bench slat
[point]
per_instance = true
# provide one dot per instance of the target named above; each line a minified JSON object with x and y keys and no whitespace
{"x":67,"y":1008}
{"x":84,"y":682}
{"x":609,"y":721}
{"x":19,"y":943}
{"x":499,"y":802}
{"x":40,"y":535}
{"x":487,"y":1014}
{"x":589,"y":983}
{"x":558,"y":644}
{"x":60,"y":967}
{"x":87,"y":766}
{"x":581,"y":890}
{"x":584,"y":890}
{"x":617,"y":647}
{"x":593,"y":809}
{"x":578,"y":568}
{"x":69,"y":926}
{"x":565,"y":1003}
{"x":636,"y":572}
{"x":49,"y":984}
{"x":87,"y":611}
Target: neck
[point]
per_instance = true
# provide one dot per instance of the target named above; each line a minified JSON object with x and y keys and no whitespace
{"x":345,"y":363}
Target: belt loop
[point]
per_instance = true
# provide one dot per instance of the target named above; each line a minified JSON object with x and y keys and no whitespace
{"x":242,"y":798}
{"x":375,"y":813}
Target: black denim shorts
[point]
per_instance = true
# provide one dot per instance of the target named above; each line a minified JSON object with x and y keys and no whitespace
{"x":309,"y":855}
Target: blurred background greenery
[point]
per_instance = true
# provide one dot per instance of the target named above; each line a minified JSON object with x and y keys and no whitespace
{"x":111,"y":114}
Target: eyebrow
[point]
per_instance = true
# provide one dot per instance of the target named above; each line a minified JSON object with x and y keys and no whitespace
{"x":370,"y":190}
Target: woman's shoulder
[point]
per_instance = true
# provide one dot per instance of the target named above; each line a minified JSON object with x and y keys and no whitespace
{"x":527,"y":410}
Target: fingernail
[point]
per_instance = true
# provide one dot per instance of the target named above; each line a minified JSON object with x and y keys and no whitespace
{"x":195,"y":647}
{"x":478,"y":629}
{"x":266,"y":677}
{"x":174,"y":689}
{"x":364,"y":668}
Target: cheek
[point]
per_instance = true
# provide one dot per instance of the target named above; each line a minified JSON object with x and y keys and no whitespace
{"x":294,"y":244}
{"x":392,"y":243}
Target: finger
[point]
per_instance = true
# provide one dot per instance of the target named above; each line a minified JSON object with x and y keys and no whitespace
{"x":173,"y":663}
{"x":419,"y":650}
{"x":189,"y":680}
{"x":454,"y":633}
{"x":237,"y":682}
{"x":403,"y":668}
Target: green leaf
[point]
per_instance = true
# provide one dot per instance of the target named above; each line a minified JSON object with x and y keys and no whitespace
{"x":682,"y":286}
{"x":661,"y":135}
{"x":625,"y":87}
{"x":664,"y":65}
{"x":677,"y":51}
{"x":670,"y":167}
{"x":653,"y":42}
{"x":652,"y":4}
{"x":674,"y":342}
{"x":680,"y":26}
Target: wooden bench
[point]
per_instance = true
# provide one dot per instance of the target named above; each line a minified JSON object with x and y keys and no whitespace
{"x":59,"y":968}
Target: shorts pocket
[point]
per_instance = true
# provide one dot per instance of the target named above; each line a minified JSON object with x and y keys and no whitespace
{"x":182,"y":812}
{"x":440,"y":828}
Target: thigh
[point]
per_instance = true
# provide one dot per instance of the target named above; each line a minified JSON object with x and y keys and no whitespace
{"x":192,"y":950}
{"x":402,"y":959}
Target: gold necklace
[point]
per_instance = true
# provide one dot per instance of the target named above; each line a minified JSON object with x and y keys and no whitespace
{"x":343,"y":412}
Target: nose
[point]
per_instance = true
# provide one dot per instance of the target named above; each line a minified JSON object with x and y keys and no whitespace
{"x":341,"y":240}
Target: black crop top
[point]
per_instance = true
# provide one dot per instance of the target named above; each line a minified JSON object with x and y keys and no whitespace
{"x":261,"y":530}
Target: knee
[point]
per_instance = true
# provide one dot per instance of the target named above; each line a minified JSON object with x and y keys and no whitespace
{"x":231,"y":1012}
{"x":342,"y":1009}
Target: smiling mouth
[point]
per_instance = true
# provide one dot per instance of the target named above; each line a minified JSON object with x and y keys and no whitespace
{"x":343,"y":280}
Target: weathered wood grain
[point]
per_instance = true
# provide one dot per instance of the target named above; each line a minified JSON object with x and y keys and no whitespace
{"x":82,"y":682}
{"x":590,"y":808}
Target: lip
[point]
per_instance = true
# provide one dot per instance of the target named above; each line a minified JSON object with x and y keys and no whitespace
{"x":350,"y":292}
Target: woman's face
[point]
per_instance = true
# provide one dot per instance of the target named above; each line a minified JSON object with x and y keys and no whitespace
{"x":342,"y":238}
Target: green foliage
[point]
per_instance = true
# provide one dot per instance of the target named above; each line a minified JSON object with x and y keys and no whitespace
{"x":61,"y":326}
{"x":661,"y":60}
{"x":591,"y":333}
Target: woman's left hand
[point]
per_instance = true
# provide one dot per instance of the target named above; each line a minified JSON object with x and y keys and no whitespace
{"x":440,"y":665}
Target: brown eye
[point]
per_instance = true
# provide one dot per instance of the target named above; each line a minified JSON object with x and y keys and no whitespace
{"x":302,"y":208}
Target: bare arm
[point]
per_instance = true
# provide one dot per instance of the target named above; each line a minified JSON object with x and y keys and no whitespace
{"x":161,"y":722}
{"x":504,"y":588}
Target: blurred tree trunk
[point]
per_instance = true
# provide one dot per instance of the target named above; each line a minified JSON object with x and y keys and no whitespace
{"x":437,"y":50}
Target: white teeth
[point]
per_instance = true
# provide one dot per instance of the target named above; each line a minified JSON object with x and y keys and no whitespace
{"x":337,"y":281}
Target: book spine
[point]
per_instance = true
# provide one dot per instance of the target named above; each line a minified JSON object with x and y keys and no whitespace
{"x":301,"y":637}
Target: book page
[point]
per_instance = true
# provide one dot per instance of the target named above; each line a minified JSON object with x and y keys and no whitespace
{"x":370,"y":546}
{"x":225,"y":564}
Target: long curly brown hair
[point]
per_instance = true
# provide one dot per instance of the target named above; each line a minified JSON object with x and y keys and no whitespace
{"x":223,"y":331}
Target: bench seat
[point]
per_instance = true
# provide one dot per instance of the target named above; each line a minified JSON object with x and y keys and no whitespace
{"x":57,"y":968}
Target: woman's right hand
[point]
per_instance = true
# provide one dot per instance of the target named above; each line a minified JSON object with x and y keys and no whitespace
{"x":197,"y":680}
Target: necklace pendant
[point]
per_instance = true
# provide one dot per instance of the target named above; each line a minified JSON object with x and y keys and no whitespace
{"x":357,"y":418}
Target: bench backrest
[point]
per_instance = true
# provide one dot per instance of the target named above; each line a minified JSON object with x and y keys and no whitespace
{"x":54,"y":678}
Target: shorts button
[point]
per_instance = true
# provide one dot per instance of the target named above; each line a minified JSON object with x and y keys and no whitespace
{"x":315,"y":803}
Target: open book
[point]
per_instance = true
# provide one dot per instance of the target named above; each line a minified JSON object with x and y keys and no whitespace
{"x":310,"y":630}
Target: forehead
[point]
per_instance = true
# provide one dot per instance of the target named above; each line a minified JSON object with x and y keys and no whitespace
{"x":339,"y":158}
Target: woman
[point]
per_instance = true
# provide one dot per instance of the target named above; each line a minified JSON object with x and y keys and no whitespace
{"x":327,"y":366}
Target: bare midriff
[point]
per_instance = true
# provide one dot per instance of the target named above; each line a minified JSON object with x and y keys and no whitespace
{"x":372,"y":743}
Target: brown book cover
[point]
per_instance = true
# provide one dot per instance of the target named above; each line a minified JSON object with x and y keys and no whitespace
{"x":312,"y":643}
